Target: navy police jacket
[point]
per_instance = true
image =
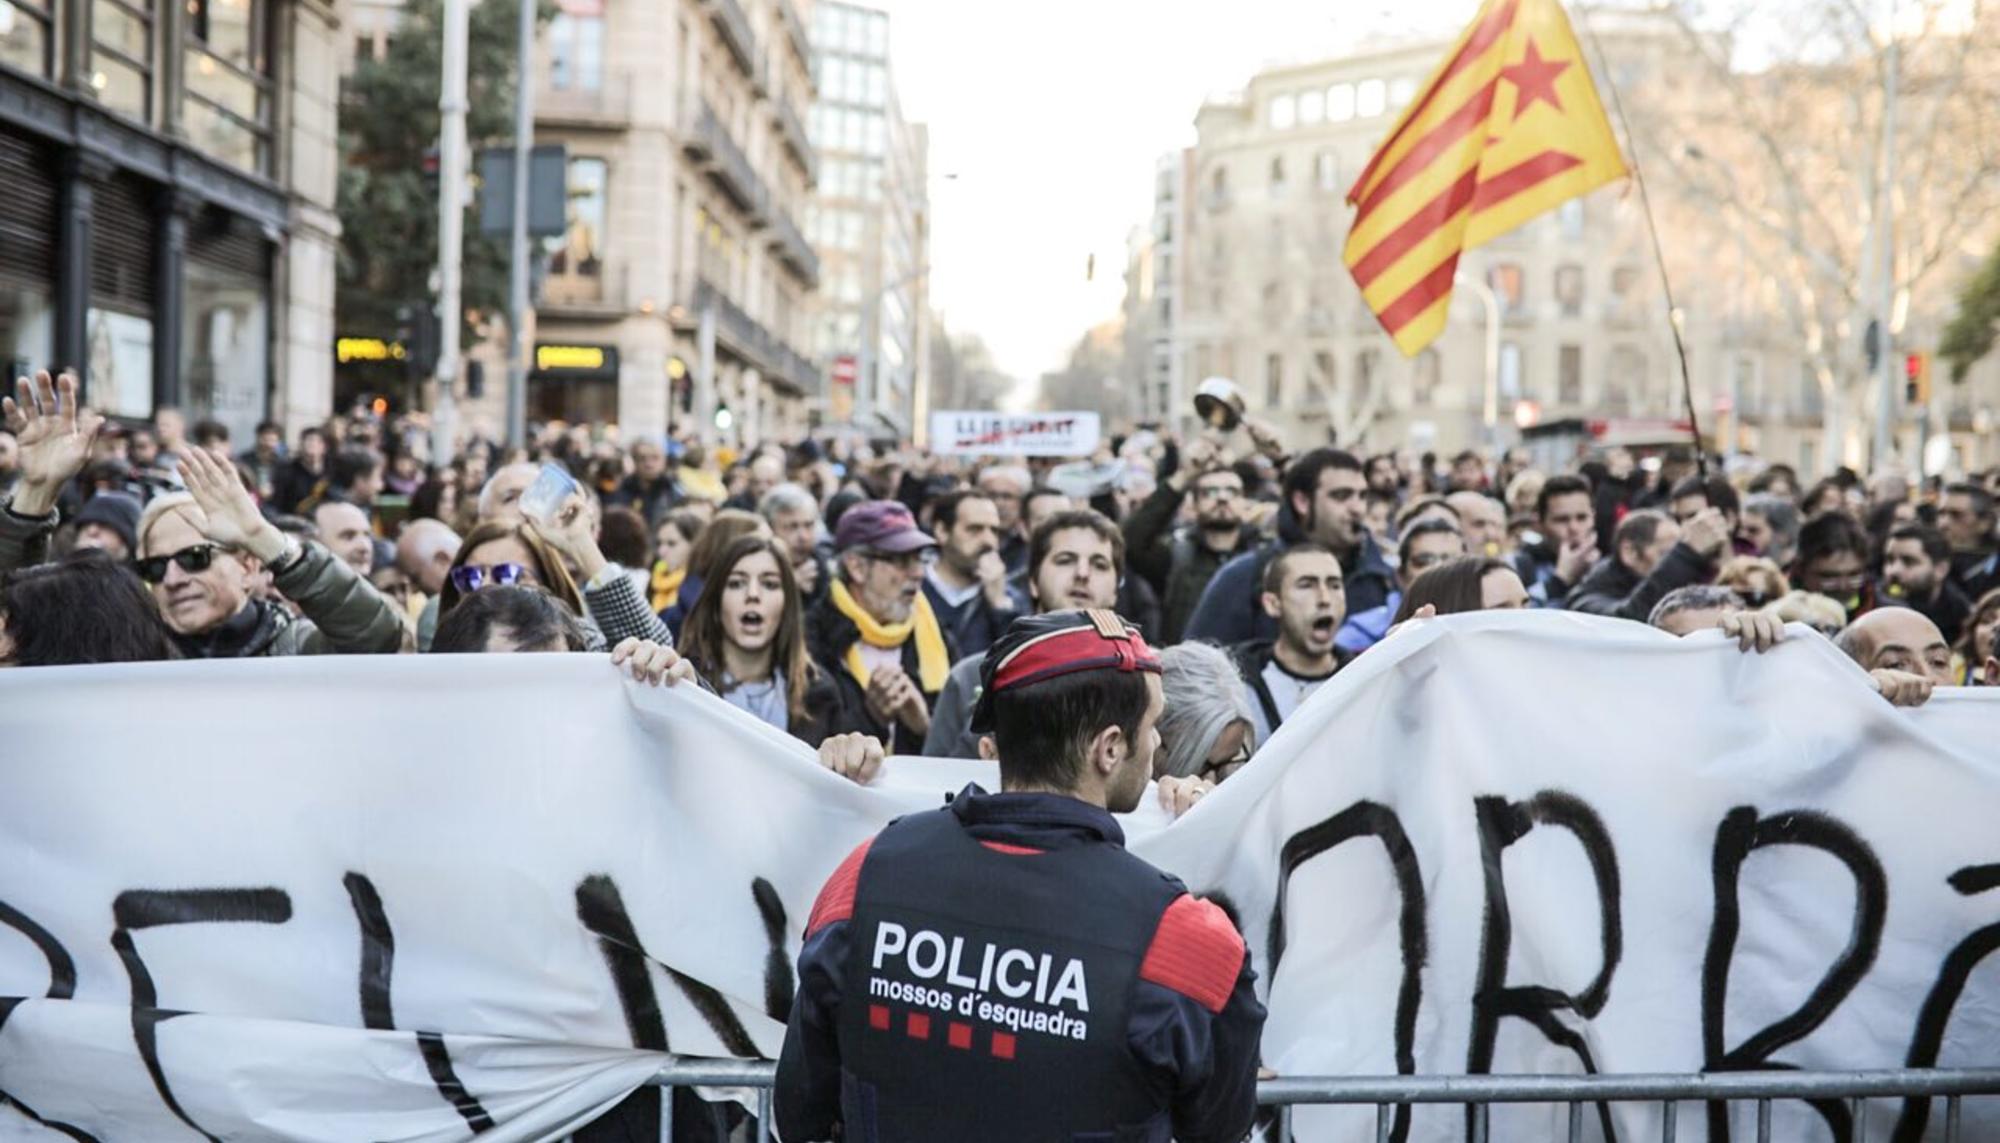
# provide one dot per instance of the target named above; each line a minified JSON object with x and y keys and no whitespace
{"x":1003,"y":969}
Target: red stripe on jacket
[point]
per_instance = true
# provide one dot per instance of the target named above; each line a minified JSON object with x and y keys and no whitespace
{"x":836,"y":898}
{"x":1195,"y":952}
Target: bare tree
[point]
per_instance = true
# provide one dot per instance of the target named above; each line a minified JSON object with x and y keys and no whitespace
{"x":1765,"y":126}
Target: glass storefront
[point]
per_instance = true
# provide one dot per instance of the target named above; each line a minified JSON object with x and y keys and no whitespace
{"x":119,"y":369}
{"x":226,"y":346}
{"x":27,"y":329}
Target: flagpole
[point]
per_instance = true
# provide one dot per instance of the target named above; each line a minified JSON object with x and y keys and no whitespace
{"x":1659,"y":255}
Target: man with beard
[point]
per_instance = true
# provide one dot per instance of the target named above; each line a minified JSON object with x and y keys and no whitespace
{"x":1179,"y":563}
{"x":1075,"y":560}
{"x":1322,"y":503}
{"x":1148,"y":1023}
{"x":875,"y":633}
{"x":1916,"y":573}
{"x":1304,"y":592}
{"x":967,"y":586}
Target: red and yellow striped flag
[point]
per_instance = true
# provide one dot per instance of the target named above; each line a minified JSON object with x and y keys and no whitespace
{"x":1508,"y":127}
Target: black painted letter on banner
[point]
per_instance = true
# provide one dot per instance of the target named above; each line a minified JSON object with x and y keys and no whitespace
{"x":1935,"y":1015}
{"x":62,"y":986}
{"x":137,"y":909}
{"x":1741,"y":834}
{"x":1369,"y":819}
{"x":1501,"y":824}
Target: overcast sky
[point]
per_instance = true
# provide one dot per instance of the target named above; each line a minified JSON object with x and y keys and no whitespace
{"x":1051,"y":114}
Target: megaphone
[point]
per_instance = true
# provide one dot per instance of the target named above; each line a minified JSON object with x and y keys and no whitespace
{"x":1219,"y":403}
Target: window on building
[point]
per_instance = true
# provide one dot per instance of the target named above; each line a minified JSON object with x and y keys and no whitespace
{"x":24,"y":36}
{"x":1569,"y":290}
{"x":1323,"y":377}
{"x":1340,"y":103}
{"x":121,"y":71}
{"x":1312,"y":107}
{"x":1569,"y":375}
{"x":227,"y":112}
{"x":1218,"y":183}
{"x":1509,"y":379}
{"x":1626,"y":387}
{"x":1624,"y":283}
{"x":580,"y":256}
{"x":1278,"y":175}
{"x":1427,"y":375}
{"x":1510,"y":284}
{"x":1284,"y":112}
{"x":876,"y":141}
{"x":1326,"y":171}
{"x":878,"y":34}
{"x":877,"y":93}
{"x":1371,"y":98}
{"x":1749,"y":393}
{"x":1274,"y":381}
{"x":1401,"y":91}
{"x":576,"y":48}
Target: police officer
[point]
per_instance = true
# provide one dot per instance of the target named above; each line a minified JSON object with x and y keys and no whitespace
{"x":1002,"y":969}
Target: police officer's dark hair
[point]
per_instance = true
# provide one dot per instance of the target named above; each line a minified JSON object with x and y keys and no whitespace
{"x":1561,"y":485}
{"x":530,"y":616}
{"x":1274,"y":572}
{"x":1936,"y":549}
{"x":1043,"y":729}
{"x":944,"y":509}
{"x":1087,"y":518}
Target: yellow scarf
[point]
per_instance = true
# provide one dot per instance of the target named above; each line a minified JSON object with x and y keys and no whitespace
{"x":933,"y":660}
{"x":667,"y":586}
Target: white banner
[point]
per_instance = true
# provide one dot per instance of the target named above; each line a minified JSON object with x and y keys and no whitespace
{"x":975,"y":433}
{"x":404,"y":899}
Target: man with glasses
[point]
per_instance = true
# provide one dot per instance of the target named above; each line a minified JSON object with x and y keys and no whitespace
{"x":1966,"y":519}
{"x":1427,"y":542}
{"x":1322,"y":503}
{"x":1305,"y":593}
{"x":204,"y":550}
{"x":875,"y":634}
{"x":1007,"y":487}
{"x":1180,"y":562}
{"x":1651,"y":556}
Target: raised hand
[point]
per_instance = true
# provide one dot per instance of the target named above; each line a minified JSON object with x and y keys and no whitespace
{"x":54,"y":434}
{"x":229,"y":516}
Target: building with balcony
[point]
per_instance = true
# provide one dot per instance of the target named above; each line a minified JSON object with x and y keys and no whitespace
{"x":871,"y":226}
{"x":169,"y":228}
{"x":685,"y":272}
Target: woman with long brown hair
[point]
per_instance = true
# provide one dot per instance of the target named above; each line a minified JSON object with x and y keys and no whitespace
{"x":746,"y":637}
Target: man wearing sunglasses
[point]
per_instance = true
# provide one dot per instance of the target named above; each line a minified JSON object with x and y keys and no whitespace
{"x":203,"y":553}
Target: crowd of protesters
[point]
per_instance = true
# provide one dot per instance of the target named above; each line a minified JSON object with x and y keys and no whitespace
{"x":836,"y":591}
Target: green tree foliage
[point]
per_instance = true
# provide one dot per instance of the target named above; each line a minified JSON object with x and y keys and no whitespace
{"x":388,"y":206}
{"x":1970,"y":335}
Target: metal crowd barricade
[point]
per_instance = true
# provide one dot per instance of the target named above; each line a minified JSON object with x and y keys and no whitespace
{"x":1480,"y":1093}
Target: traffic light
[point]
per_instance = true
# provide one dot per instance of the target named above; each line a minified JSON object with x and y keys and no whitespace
{"x":417,"y":333}
{"x":1917,"y":378}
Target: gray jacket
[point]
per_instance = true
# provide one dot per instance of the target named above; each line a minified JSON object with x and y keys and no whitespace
{"x":951,"y":720}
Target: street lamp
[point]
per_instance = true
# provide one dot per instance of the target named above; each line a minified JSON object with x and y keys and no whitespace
{"x":1491,"y":413}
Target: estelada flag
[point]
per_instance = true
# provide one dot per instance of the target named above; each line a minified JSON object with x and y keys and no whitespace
{"x":1508,"y":127}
